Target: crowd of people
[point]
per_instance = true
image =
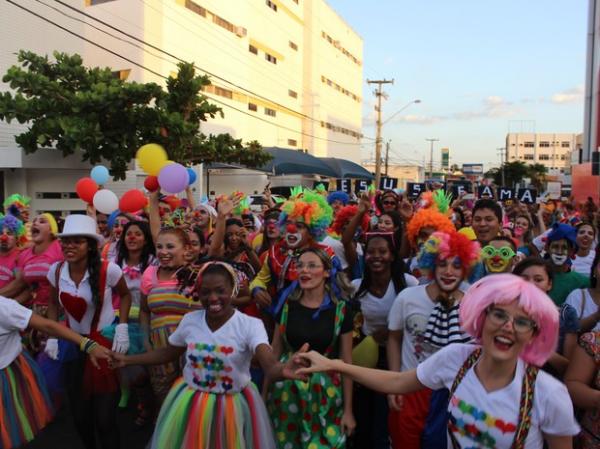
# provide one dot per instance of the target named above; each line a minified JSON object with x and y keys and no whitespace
{"x":325,"y":321}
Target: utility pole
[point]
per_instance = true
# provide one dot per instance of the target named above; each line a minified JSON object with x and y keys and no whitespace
{"x":387,"y":155}
{"x":378,"y":93}
{"x":501,"y":151}
{"x":431,"y":141}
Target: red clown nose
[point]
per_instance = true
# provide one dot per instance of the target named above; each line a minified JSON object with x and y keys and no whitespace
{"x":291,"y":228}
{"x":3,"y":238}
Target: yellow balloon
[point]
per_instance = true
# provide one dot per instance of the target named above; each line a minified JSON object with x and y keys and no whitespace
{"x":151,"y":157}
{"x":366,"y":353}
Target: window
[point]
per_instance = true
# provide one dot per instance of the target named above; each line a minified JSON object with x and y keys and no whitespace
{"x":252,"y":107}
{"x":528,"y":157}
{"x":270,"y":112}
{"x":224,"y":23}
{"x":563,"y":157}
{"x":252,"y":49}
{"x":97,"y":2}
{"x":544,"y":157}
{"x":223,"y":92}
{"x":195,"y":8}
{"x":292,"y":142}
{"x":293,"y":46}
{"x":528,"y":145}
{"x":292,"y":93}
{"x":544,"y":144}
{"x":296,"y":1}
{"x":270,"y":58}
{"x":271,"y":5}
{"x":121,"y":74}
{"x":565,"y":145}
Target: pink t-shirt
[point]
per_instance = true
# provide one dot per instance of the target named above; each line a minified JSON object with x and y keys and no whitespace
{"x":8,"y":265}
{"x":35,"y":269}
{"x":150,"y":280}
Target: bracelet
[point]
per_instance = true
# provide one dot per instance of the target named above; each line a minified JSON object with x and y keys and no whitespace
{"x":87,"y":345}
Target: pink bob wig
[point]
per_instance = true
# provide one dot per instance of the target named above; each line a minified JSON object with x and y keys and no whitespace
{"x":504,"y":289}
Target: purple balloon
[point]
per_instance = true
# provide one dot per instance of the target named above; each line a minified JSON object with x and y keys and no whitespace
{"x":173,"y":178}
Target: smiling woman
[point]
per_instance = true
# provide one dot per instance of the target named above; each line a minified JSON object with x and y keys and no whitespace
{"x":515,"y":325}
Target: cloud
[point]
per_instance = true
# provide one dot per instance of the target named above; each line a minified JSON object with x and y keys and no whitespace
{"x":419,"y":119}
{"x":573,"y":95}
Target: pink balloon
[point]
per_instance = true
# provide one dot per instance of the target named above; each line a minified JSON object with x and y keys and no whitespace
{"x":173,"y":178}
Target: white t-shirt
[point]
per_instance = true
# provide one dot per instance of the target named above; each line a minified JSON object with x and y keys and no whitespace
{"x":409,"y":314}
{"x":13,"y":318}
{"x":77,"y":299}
{"x":338,"y":248}
{"x":587,"y":305}
{"x":219,"y":361}
{"x":376,"y":310}
{"x":488,"y":419}
{"x":583,"y":265}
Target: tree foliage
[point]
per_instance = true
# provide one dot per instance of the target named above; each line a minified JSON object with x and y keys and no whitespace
{"x":72,"y":108}
{"x":515,"y":172}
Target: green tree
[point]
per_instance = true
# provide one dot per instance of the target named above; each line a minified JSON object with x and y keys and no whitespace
{"x":514,"y":172}
{"x":537,"y":173}
{"x":70,"y":108}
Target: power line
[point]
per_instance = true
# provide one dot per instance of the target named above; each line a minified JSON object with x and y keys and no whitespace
{"x":164,"y":77}
{"x":177,"y":58}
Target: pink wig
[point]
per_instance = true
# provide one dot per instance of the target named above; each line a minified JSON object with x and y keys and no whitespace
{"x":504,"y":289}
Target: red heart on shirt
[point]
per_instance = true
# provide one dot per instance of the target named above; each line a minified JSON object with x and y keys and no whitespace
{"x":74,"y":305}
{"x":226,"y":350}
{"x":505,"y":427}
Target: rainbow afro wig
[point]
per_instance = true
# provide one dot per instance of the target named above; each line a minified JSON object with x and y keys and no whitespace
{"x":15,"y":203}
{"x":340,"y":196}
{"x":14,"y":226}
{"x":344,"y":216}
{"x":310,"y":208}
{"x":444,"y":245}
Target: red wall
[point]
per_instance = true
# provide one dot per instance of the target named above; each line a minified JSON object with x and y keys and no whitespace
{"x":583,"y":183}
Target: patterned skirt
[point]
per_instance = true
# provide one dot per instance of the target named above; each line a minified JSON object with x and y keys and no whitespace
{"x":193,"y":419}
{"x":25,"y":405}
{"x":308,"y":414}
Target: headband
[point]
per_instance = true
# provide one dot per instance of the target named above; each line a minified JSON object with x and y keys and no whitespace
{"x":230,"y":270}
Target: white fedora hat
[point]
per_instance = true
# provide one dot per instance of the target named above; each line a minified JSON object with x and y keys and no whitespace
{"x":81,"y":225}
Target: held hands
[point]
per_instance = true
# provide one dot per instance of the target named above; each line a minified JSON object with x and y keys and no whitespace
{"x":97,"y":353}
{"x":318,"y":363}
{"x":117,"y":360}
{"x":293,"y":365}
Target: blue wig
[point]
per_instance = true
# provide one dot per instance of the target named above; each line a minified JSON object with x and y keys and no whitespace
{"x":338,"y":196}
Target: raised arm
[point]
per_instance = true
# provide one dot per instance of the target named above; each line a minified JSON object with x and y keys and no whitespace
{"x":154,"y":215}
{"x":348,"y":236}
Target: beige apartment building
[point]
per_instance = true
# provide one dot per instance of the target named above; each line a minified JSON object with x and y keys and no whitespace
{"x":403,"y":172}
{"x":552,"y":150}
{"x":288,"y":73}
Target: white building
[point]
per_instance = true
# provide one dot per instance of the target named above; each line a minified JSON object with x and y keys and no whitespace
{"x":550,"y":149}
{"x":288,"y":74}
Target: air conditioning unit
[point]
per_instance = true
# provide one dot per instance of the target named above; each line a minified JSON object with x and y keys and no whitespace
{"x":241,"y":31}
{"x":64,"y":195}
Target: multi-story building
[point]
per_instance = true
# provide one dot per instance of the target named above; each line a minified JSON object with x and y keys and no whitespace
{"x":553,"y":150}
{"x":403,"y":172}
{"x":287,"y":73}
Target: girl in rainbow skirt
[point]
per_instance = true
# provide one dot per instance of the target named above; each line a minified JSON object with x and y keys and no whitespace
{"x":215,"y":405}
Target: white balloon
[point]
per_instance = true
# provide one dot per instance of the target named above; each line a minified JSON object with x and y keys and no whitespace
{"x":106,"y":201}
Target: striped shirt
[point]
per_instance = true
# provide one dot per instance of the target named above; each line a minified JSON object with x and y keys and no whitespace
{"x":443,"y":327}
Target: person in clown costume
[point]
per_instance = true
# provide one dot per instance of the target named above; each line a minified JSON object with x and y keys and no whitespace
{"x":304,"y":220}
{"x":12,"y":236}
{"x":18,"y":206}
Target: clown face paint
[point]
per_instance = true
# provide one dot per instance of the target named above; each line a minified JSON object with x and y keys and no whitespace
{"x":559,"y":252}
{"x":296,"y":234}
{"x":448,"y":274}
{"x":8,"y":241}
{"x":498,"y":257}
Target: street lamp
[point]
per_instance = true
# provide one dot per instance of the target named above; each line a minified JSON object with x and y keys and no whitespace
{"x":400,"y":110}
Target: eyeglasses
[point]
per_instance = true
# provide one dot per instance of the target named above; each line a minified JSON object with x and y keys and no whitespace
{"x":311,"y":266}
{"x":521,"y":325}
{"x":505,"y":252}
{"x":391,"y":203}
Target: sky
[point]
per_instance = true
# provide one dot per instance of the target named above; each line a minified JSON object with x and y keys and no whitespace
{"x":480,"y":68}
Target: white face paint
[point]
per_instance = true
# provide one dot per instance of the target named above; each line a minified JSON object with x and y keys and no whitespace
{"x":558,"y":259}
{"x":294,"y":239}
